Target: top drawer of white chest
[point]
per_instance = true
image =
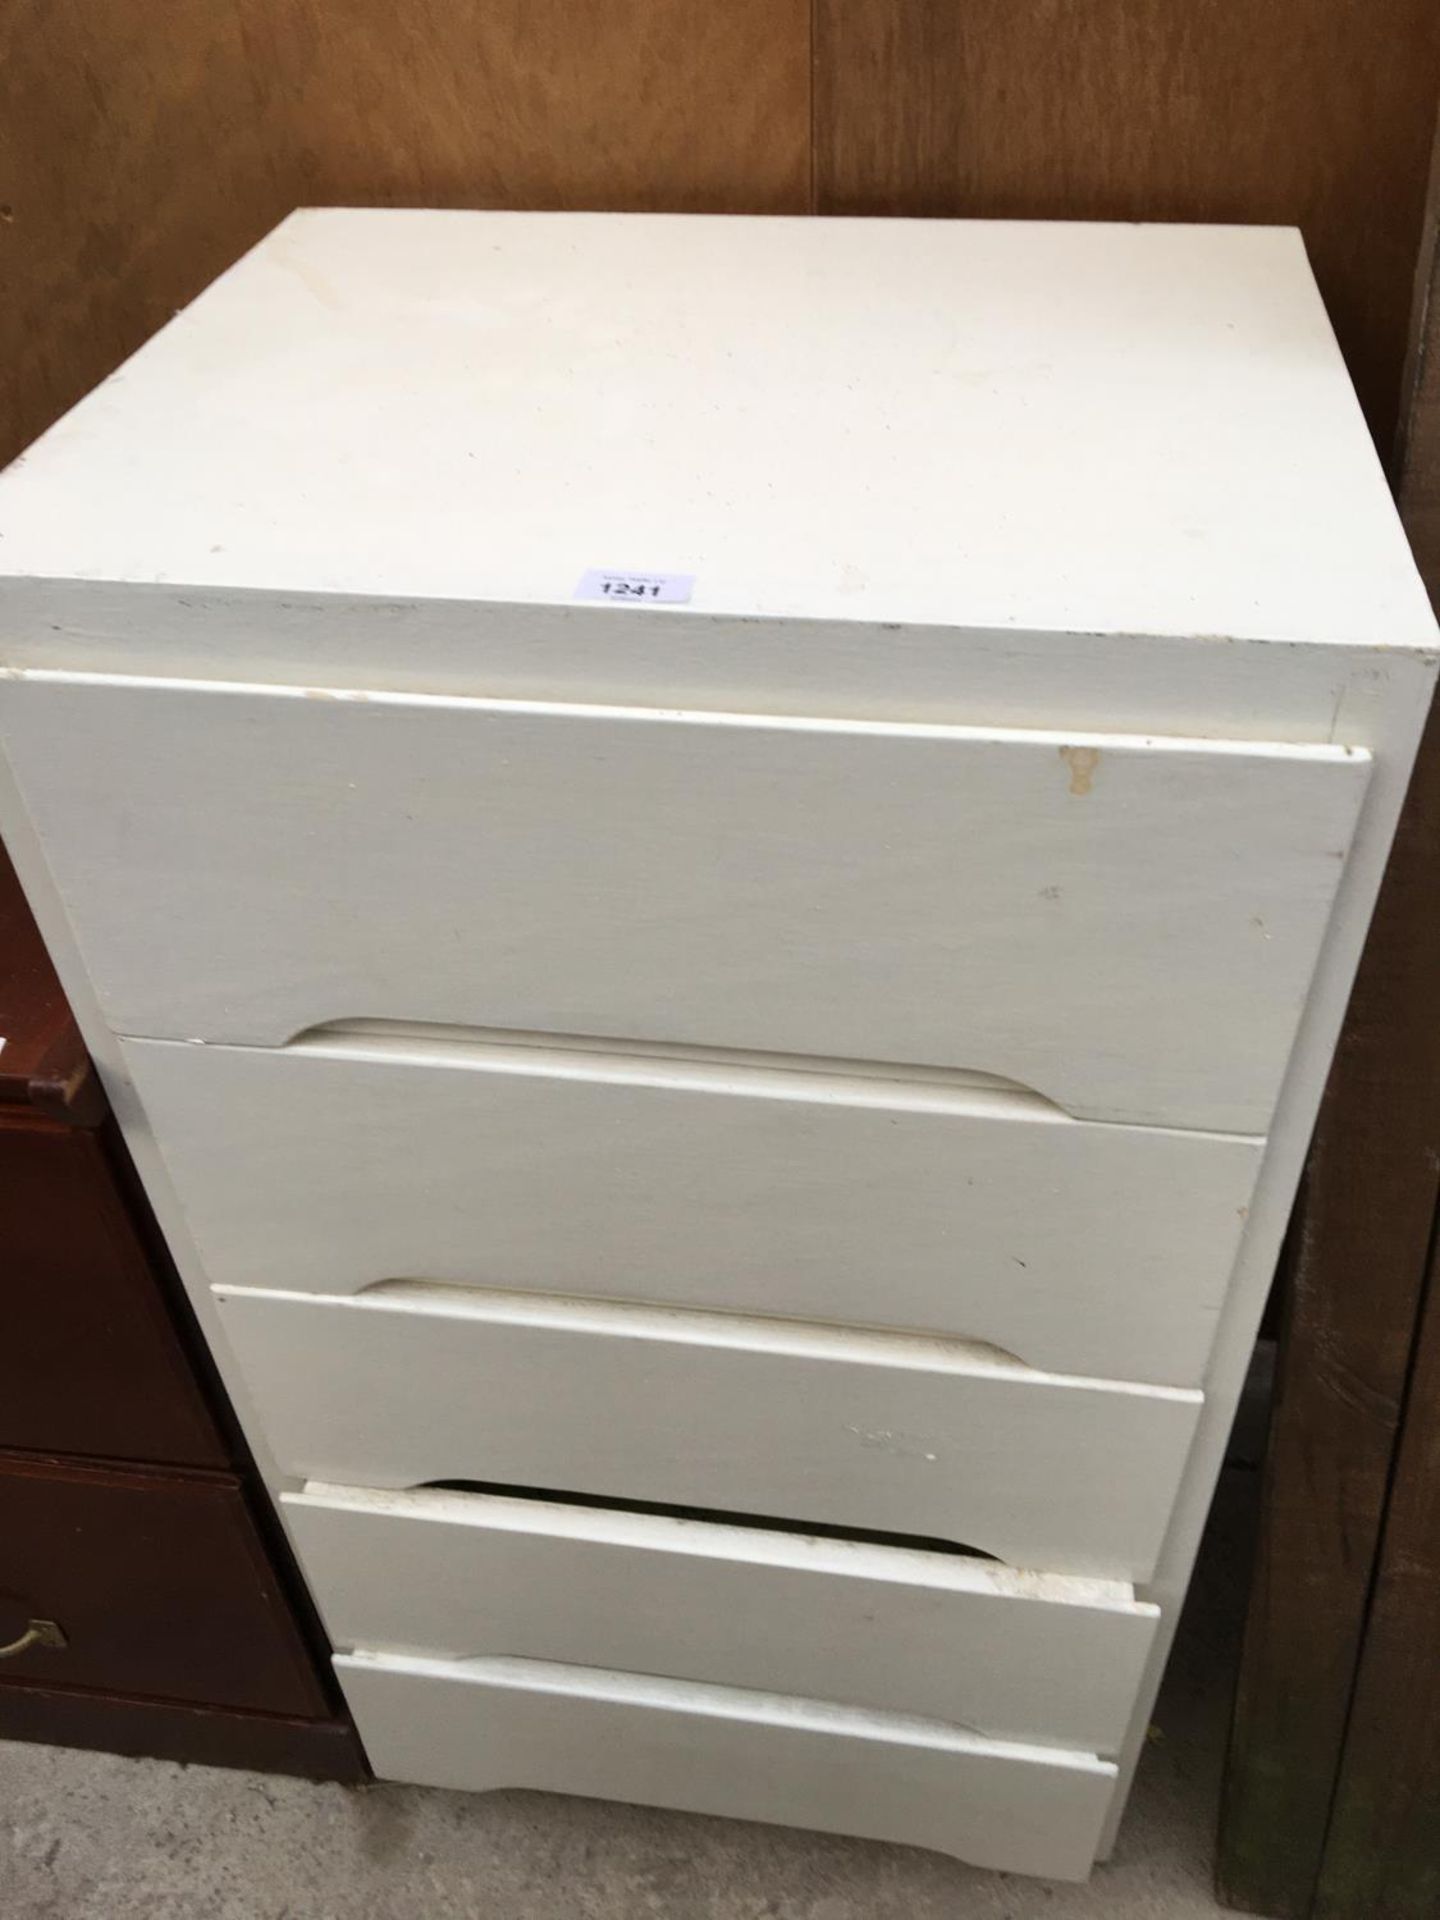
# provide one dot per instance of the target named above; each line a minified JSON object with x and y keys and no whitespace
{"x":1126,"y":925}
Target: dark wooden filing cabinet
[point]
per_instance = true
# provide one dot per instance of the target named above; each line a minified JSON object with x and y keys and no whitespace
{"x":146,"y":1602}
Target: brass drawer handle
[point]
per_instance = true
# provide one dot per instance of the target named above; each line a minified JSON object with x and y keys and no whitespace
{"x":39,"y":1633}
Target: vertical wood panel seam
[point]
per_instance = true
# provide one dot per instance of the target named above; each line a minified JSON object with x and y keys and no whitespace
{"x":1418,"y":351}
{"x":813,"y":70}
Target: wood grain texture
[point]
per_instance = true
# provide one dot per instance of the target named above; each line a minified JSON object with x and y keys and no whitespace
{"x":142,"y":148}
{"x":1313,"y":112}
{"x":1418,"y":440}
{"x":617,"y":104}
{"x":1382,"y":1852}
{"x":1361,"y":1246}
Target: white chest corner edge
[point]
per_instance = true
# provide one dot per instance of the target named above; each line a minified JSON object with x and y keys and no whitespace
{"x":730,"y":1155}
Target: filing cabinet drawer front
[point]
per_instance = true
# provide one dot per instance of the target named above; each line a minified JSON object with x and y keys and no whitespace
{"x":159,"y":1581}
{"x":90,"y":1360}
{"x":1126,"y":925}
{"x":1014,"y":1657}
{"x":1088,"y":1249}
{"x":482,"y":1725}
{"x":698,"y":1410}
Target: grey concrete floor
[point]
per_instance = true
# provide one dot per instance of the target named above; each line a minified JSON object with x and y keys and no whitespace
{"x":92,"y":1837}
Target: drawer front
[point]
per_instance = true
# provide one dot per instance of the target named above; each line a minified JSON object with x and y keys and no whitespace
{"x":1126,"y":925}
{"x":90,"y":1359}
{"x":160,"y":1584}
{"x":971,"y":1211}
{"x":1031,"y":1657}
{"x":483,"y":1724}
{"x":398,"y":1387}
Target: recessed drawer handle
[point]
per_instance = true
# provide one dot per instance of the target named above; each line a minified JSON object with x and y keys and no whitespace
{"x":623,"y":1060}
{"x":39,"y":1633}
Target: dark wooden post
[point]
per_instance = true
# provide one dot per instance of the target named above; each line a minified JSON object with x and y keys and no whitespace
{"x":1350,"y":1366}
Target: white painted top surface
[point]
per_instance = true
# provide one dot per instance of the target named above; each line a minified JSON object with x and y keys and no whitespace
{"x":981,"y":425}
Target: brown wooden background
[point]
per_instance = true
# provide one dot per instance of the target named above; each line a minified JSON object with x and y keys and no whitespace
{"x":145,"y":143}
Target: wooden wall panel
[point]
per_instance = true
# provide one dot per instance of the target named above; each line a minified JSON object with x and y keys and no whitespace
{"x":1309,"y":112}
{"x":620,"y":104}
{"x":144,"y":144}
{"x":140,"y":152}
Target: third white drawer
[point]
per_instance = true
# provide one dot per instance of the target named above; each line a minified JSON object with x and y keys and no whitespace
{"x":407,"y":1385}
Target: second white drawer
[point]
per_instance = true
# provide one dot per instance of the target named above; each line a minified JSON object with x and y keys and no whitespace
{"x":821,"y":1193}
{"x":1012,"y":1656}
{"x":806,"y":1425}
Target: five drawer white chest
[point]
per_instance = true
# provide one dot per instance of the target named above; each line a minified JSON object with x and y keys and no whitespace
{"x":728,"y":1124}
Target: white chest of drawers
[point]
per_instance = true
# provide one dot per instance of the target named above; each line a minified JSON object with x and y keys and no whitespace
{"x":730,"y":1152}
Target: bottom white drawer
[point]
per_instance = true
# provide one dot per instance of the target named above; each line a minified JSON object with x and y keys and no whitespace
{"x":1011,"y":1656}
{"x":486,"y":1724}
